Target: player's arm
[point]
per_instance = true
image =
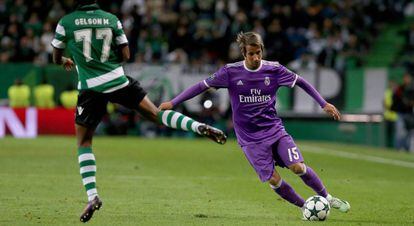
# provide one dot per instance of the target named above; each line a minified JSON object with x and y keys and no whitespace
{"x":309,"y":89}
{"x":59,"y":59}
{"x":217,"y":80}
{"x":185,"y":95}
{"x":121,"y":42}
{"x":59,"y":45}
{"x":123,"y":50}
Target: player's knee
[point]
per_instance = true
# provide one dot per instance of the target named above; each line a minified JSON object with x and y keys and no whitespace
{"x":85,"y":139}
{"x":154,"y":115}
{"x":297,"y":168}
{"x":84,"y":143}
{"x":275,"y":180}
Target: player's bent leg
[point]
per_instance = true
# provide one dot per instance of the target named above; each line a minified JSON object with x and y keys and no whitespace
{"x":284,"y":190}
{"x":87,"y":165}
{"x":177,"y":120}
{"x":311,"y":179}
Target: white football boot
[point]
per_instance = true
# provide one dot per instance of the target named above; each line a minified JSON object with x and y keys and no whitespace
{"x":339,"y":204}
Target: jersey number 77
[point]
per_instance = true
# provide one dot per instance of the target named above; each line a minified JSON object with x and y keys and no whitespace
{"x":85,"y":36}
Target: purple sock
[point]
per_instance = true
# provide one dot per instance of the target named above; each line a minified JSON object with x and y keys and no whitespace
{"x":312,"y":180}
{"x":286,"y":192}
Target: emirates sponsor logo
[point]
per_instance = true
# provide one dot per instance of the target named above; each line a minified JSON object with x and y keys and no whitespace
{"x":254,"y":97}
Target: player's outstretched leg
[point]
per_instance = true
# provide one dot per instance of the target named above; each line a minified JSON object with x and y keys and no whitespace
{"x":177,"y":120}
{"x":285,"y":191}
{"x":311,"y":179}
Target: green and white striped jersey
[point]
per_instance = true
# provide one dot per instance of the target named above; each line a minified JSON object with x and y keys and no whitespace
{"x":92,"y":36}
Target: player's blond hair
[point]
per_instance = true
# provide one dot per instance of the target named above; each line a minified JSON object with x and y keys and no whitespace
{"x":249,"y":38}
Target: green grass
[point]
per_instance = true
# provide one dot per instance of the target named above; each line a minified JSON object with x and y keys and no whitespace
{"x":191,"y":182}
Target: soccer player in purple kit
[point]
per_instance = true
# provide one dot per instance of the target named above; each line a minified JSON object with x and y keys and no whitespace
{"x":252,"y":86}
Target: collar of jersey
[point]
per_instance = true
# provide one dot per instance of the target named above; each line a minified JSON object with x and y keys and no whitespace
{"x":88,"y":7}
{"x":255,"y":70}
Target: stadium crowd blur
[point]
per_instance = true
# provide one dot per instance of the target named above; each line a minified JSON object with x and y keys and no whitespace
{"x":202,"y":32}
{"x":195,"y":33}
{"x":398,"y":115}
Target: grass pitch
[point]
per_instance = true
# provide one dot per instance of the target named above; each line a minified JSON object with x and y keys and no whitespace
{"x":194,"y":182}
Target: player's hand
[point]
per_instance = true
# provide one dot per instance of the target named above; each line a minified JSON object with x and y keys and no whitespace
{"x":166,"y":106}
{"x":68,"y":64}
{"x":332,"y":111}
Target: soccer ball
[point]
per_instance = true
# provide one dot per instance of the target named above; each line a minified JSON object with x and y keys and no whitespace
{"x":316,"y":208}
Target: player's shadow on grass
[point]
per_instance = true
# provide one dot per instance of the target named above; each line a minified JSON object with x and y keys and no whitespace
{"x":201,"y":215}
{"x":232,"y":217}
{"x":379,"y":221}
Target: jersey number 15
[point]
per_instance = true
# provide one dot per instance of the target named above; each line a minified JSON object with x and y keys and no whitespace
{"x":85,"y":36}
{"x":293,"y":154}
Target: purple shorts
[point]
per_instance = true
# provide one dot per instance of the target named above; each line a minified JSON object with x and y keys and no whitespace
{"x":264,"y":156}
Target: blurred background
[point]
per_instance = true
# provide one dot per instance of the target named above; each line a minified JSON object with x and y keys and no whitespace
{"x":358,"y":53}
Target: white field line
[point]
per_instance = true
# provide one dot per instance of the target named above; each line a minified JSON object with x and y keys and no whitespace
{"x":328,"y":151}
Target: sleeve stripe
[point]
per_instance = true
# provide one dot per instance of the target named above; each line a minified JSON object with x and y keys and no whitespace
{"x":294,"y":82}
{"x":58,"y":44}
{"x":60,"y":30}
{"x":119,"y":25}
{"x":121,"y":39}
{"x":59,"y":37}
{"x":205,"y":83}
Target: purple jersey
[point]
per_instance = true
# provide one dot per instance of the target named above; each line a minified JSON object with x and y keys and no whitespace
{"x":253,"y":98}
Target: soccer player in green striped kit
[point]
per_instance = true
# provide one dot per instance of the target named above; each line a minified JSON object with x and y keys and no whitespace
{"x":98,"y":46}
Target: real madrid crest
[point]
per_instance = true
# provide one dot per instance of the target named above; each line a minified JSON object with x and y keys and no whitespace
{"x":267,"y":81}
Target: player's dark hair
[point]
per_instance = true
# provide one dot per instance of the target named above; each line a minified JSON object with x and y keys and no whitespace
{"x":85,"y":2}
{"x":249,"y":38}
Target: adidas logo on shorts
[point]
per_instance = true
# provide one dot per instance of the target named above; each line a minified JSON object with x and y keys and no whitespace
{"x":80,"y":110}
